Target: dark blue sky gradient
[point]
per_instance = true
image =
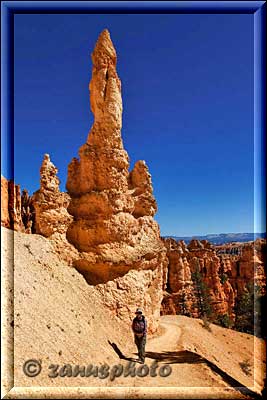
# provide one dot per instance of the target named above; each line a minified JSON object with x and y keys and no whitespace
{"x":187,"y":87}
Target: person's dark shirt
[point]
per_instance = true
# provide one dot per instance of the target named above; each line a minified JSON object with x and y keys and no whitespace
{"x":143,"y":322}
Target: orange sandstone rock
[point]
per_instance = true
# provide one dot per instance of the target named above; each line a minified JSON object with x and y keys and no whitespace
{"x":49,"y":204}
{"x":112,"y":209}
{"x":5,"y":219}
{"x":50,"y":215}
{"x":11,"y":205}
{"x":226,"y":270}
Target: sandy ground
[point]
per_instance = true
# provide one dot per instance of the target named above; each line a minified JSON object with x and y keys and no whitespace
{"x":60,"y":320}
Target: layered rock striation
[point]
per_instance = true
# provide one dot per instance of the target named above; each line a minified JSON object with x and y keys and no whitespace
{"x":112,"y":209}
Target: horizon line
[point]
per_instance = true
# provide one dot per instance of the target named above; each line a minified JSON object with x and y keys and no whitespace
{"x":216,"y":234}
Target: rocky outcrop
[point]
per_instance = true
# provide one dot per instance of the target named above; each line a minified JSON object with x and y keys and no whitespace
{"x":49,"y":204}
{"x":11,"y":205}
{"x":184,"y":261}
{"x":224,"y":270}
{"x":5,"y":219}
{"x":50,"y":216}
{"x":207,"y":263}
{"x":141,"y":184}
{"x":112,"y":209}
{"x":27,"y":211}
{"x":179,"y":298}
{"x":244,"y":263}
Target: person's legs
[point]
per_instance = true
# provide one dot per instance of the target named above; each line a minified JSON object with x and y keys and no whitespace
{"x":142,"y":348}
{"x":138,"y":342}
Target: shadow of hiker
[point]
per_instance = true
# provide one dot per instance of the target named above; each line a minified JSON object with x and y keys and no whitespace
{"x":185,"y":356}
{"x":119,"y":353}
{"x":170,"y":357}
{"x":176,"y":357}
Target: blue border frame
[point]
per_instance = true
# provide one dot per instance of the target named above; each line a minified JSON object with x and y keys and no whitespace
{"x":258,"y":8}
{"x":26,"y":7}
{"x":259,"y":119}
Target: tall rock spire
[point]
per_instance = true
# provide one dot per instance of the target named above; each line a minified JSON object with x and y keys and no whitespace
{"x":113,"y":225}
{"x":105,"y":94}
{"x":103,"y":161}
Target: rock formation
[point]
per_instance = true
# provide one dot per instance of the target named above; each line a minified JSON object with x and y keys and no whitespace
{"x":179,"y":298}
{"x":50,"y":216}
{"x":50,"y":205}
{"x":183,"y":262}
{"x":225,"y":270}
{"x":243,"y":263}
{"x":5,"y":219}
{"x":181,"y":292}
{"x":11,"y":205}
{"x":140,"y":182}
{"x":112,"y":209}
{"x":27,"y":211}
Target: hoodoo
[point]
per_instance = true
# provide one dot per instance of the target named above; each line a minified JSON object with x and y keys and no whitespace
{"x":112,"y":209}
{"x":49,"y":203}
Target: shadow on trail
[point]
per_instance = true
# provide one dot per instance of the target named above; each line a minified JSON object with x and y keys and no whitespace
{"x":176,"y":357}
{"x":185,"y":356}
{"x":119,"y":353}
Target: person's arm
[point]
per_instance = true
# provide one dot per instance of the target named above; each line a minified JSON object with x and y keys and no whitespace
{"x":145,"y":331}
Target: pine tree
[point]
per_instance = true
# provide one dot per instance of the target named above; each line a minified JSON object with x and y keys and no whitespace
{"x":202,"y":294}
{"x":183,"y":304}
{"x":248,"y":310}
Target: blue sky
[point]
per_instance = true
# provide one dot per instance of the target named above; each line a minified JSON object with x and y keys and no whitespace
{"x":187,"y":89}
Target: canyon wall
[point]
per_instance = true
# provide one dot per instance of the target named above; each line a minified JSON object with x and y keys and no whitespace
{"x":244,"y":263}
{"x":121,"y":252}
{"x":224,"y":271}
{"x":12,"y":211}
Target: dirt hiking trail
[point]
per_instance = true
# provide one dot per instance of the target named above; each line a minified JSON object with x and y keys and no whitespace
{"x":61,"y":320}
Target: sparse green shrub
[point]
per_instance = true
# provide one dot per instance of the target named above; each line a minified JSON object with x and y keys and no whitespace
{"x":224,"y":320}
{"x":246,"y":367}
{"x":223,"y":278}
{"x":206,"y":323}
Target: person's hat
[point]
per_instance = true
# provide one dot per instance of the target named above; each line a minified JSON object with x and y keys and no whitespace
{"x":138,"y":311}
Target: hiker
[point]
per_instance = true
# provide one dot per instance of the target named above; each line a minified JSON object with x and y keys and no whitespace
{"x":139,"y":327}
